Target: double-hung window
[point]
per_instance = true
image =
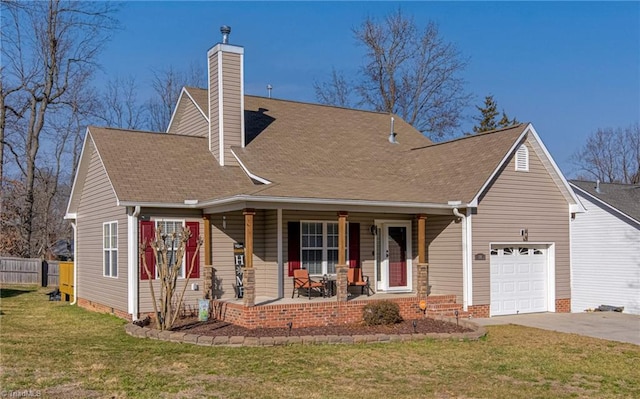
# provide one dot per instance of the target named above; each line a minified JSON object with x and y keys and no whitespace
{"x":110,"y":249}
{"x":172,"y":242}
{"x":319,"y":247}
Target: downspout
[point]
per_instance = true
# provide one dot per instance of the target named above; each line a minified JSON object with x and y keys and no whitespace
{"x":467,"y":289}
{"x":75,"y":263}
{"x":132,"y":275}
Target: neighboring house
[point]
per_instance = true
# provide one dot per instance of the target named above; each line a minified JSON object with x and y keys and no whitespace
{"x":481,"y":221}
{"x":605,"y":246}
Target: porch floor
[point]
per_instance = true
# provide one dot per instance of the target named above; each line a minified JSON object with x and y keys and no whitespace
{"x":264,"y":300}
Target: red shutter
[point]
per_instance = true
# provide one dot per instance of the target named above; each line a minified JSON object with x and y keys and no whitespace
{"x":294,"y":246}
{"x":354,"y":245}
{"x":192,"y":245}
{"x":146,"y":236}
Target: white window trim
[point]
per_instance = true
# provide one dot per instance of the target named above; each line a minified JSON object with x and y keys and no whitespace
{"x":111,"y":225}
{"x":325,"y":248}
{"x":183,"y":267}
{"x":523,"y":151}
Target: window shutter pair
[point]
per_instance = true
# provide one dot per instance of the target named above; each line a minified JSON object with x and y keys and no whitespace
{"x":294,"y":246}
{"x":147,"y":233}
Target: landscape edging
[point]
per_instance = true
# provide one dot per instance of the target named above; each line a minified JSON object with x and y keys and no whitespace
{"x":234,"y":341}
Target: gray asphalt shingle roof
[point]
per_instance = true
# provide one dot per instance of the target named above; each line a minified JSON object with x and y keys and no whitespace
{"x":624,"y":197}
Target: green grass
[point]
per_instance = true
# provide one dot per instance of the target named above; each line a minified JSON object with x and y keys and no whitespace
{"x":62,"y":351}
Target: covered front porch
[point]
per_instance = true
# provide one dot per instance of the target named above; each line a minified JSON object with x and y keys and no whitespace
{"x":253,"y":286}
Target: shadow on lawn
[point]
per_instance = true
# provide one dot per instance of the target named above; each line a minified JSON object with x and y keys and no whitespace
{"x":11,"y":292}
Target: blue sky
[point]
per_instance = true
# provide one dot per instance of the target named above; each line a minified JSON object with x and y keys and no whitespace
{"x":567,"y":67}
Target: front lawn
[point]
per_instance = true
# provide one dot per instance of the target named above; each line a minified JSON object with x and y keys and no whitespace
{"x":60,"y":351}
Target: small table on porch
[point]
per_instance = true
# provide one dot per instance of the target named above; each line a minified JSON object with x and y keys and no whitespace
{"x":329,"y":282}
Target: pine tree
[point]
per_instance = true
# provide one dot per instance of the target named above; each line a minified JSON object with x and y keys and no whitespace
{"x":488,"y":116}
{"x":506,"y":122}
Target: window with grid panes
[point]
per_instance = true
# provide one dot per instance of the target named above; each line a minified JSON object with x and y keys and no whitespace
{"x":319,"y":247}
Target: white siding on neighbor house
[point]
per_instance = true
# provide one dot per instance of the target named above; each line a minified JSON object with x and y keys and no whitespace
{"x":521,"y":200}
{"x":605,"y":260}
{"x":97,"y":206}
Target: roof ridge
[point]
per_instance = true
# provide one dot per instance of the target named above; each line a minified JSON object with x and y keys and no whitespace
{"x":607,"y":183}
{"x":323,"y":105}
{"x":142,"y":131}
{"x":470,"y":136}
{"x":309,"y":103}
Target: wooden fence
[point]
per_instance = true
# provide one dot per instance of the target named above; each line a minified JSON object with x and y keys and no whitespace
{"x":20,"y":271}
{"x":37,"y":272}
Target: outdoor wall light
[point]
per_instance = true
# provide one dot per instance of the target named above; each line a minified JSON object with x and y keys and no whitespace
{"x":423,"y":306}
{"x":224,"y":222}
{"x":373,"y":229}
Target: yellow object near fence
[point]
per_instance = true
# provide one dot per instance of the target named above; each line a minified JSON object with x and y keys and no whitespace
{"x":66,"y":279}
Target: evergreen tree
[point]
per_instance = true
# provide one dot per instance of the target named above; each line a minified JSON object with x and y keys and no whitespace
{"x":506,"y":122}
{"x":488,"y":115}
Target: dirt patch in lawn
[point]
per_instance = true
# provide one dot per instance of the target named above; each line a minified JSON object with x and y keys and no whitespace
{"x":219,"y":328}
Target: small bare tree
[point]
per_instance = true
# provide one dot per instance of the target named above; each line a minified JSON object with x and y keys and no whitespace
{"x":611,"y":155}
{"x":168,"y":264}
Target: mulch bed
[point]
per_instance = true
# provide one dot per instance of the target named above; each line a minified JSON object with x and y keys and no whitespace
{"x":219,"y":328}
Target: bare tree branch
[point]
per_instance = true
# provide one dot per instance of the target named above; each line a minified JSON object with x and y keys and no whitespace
{"x":611,"y":155}
{"x":415,"y":74}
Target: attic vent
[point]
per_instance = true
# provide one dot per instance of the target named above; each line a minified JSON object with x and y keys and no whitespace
{"x":522,"y":159}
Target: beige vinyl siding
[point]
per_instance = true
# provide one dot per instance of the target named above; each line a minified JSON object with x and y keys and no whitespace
{"x":214,"y":119}
{"x":227,"y":229}
{"x":521,"y":200}
{"x":270,"y":259}
{"x":188,"y":120}
{"x":97,"y":206}
{"x":367,"y":240}
{"x":232,"y":107}
{"x":265,"y":258}
{"x":190,"y":296}
{"x":444,"y":254}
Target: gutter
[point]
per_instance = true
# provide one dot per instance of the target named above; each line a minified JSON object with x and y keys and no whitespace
{"x":285,"y":200}
{"x":467,"y":281}
{"x":75,"y":263}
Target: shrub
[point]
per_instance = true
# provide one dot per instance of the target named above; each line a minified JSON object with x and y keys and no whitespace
{"x":383,"y":312}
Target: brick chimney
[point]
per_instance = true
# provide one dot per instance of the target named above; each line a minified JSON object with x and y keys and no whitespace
{"x":226,"y":98}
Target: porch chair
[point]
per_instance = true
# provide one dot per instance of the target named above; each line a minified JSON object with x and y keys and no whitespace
{"x":355,"y":278}
{"x":301,"y":281}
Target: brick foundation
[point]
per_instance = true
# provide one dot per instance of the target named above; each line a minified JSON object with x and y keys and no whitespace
{"x":479,"y":311}
{"x":313,"y":313}
{"x":563,"y":305}
{"x":100,"y":308}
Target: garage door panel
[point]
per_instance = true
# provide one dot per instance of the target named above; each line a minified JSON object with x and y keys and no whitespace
{"x":518,"y":280}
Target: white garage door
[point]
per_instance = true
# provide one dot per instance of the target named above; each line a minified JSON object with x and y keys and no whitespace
{"x":518,"y":279}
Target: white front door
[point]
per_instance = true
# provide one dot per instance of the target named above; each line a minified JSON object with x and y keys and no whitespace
{"x":519,"y":275}
{"x":394,"y":255}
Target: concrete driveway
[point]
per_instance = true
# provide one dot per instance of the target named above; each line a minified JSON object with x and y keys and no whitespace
{"x":612,"y":326}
